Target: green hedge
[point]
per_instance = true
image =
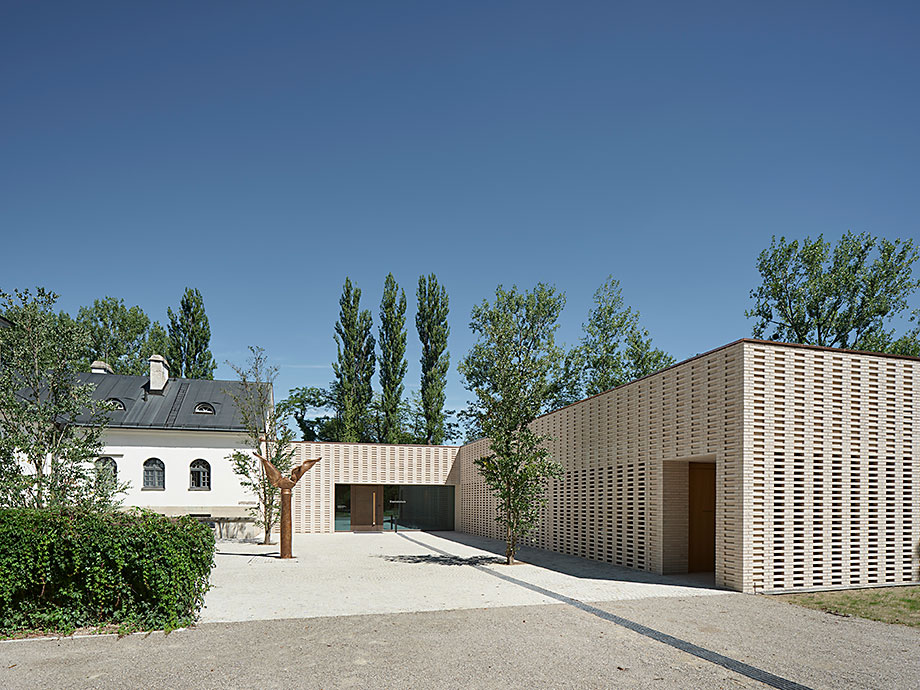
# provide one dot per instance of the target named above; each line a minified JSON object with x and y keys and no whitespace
{"x":61,"y":570}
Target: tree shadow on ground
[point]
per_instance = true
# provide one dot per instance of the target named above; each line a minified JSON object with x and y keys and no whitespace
{"x":576,"y":566}
{"x":441,"y":560}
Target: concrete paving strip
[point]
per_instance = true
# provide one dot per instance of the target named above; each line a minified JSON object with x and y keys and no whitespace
{"x":349,"y":574}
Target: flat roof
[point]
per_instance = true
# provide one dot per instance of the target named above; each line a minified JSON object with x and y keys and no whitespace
{"x":775,"y":343}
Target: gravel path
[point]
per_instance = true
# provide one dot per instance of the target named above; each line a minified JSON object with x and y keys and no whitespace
{"x":544,"y":646}
{"x":543,"y":624}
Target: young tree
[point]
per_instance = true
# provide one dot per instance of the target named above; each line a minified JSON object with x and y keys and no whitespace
{"x":121,"y":336}
{"x":433,"y":330}
{"x":189,"y":355}
{"x":837,"y":296}
{"x":354,"y":370}
{"x":614,"y":350}
{"x":267,"y":435}
{"x":49,"y":420}
{"x":509,"y":370}
{"x":393,"y":364}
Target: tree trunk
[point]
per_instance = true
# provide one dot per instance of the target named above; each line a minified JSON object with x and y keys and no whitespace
{"x":509,"y":538}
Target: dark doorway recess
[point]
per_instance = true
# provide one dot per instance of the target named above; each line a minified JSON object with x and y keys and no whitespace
{"x":702,"y":523}
{"x":371,"y":507}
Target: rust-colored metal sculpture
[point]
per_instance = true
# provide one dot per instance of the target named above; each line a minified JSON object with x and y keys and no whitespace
{"x":279,"y":481}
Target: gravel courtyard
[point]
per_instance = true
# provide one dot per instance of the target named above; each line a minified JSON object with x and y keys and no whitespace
{"x":435,"y":610}
{"x":349,"y":574}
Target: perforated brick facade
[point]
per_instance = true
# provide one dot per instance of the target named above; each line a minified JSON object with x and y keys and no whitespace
{"x":360,"y":463}
{"x":832,"y":468}
{"x":617,"y":450}
{"x":817,"y":457}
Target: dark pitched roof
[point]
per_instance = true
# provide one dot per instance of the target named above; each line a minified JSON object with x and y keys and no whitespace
{"x":4,"y":323}
{"x":174,"y":408}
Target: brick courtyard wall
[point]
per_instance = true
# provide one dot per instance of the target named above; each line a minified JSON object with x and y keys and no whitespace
{"x":623,"y":498}
{"x":360,"y":463}
{"x":832,"y":468}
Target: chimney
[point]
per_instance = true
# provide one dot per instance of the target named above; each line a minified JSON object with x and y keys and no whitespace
{"x":100,"y":367}
{"x":159,"y":373}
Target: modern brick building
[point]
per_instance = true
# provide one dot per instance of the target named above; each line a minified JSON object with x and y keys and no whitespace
{"x":775,"y":466}
{"x":778,"y":467}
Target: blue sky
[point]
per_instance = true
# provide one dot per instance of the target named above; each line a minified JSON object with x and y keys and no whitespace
{"x":263,"y":151}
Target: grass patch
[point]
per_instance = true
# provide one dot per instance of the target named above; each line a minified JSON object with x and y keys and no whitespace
{"x":900,"y":605}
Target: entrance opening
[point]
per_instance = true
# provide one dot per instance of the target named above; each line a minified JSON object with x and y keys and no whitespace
{"x":702,"y":517}
{"x":372,"y":507}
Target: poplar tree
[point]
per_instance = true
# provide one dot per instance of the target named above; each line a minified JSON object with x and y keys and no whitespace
{"x":352,"y":389}
{"x":393,"y":364}
{"x":431,"y":322}
{"x":188,"y":353}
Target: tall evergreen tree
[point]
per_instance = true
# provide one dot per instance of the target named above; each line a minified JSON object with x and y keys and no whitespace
{"x":188,"y":353}
{"x":431,"y":322}
{"x":393,"y":364}
{"x":352,"y":389}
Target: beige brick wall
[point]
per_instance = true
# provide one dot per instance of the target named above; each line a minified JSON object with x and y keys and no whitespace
{"x":361,"y":463}
{"x":832,"y":468}
{"x":624,"y":454}
{"x":817,"y":456}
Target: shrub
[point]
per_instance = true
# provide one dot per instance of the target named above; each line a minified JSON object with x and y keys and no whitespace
{"x":62,"y":569}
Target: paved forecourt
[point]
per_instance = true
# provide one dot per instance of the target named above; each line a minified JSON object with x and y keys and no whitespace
{"x":349,"y":574}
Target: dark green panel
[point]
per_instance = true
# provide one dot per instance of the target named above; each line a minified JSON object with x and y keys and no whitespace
{"x":427,"y":507}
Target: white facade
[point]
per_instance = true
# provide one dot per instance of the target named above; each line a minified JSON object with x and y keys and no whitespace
{"x":131,"y":448}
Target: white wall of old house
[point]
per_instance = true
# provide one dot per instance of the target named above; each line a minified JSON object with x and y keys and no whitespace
{"x":130,"y":448}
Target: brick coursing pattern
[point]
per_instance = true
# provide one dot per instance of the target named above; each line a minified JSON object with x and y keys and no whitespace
{"x":360,"y":463}
{"x":623,"y":496}
{"x":832,"y":468}
{"x":817,"y":456}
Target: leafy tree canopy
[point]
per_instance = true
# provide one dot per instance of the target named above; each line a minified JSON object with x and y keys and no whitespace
{"x":614,"y":350}
{"x":49,"y":421}
{"x":846,"y":295}
{"x":122,"y":337}
{"x":306,"y":405}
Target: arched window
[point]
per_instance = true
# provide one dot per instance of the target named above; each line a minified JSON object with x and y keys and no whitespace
{"x":116,"y":404}
{"x":204,"y":408}
{"x":200,"y":476}
{"x":106,"y":471}
{"x":154,"y":474}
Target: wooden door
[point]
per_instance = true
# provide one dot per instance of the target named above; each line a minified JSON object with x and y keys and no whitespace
{"x":366,"y":507}
{"x":702,"y":532}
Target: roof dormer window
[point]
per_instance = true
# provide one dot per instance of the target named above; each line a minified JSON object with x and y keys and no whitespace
{"x":116,"y":404}
{"x":204,"y":408}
